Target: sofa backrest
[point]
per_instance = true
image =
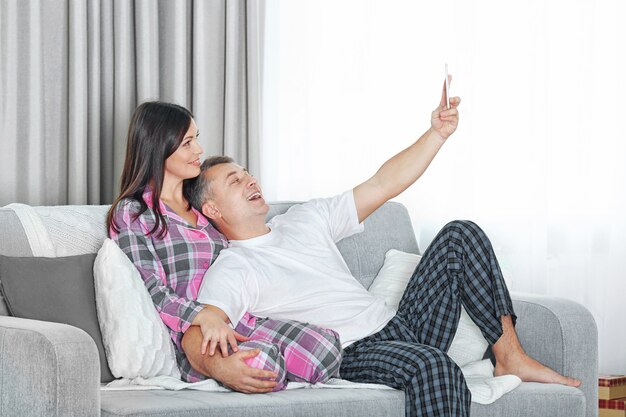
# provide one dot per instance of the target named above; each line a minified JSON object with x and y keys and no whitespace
{"x":75,"y":230}
{"x":389,"y":227}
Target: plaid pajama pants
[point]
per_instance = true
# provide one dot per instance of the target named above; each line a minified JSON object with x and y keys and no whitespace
{"x":296,"y":351}
{"x":458,"y":268}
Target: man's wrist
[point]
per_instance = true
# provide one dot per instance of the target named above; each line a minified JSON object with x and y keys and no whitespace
{"x":434,"y":135}
{"x":209,"y":366}
{"x":204,"y":364}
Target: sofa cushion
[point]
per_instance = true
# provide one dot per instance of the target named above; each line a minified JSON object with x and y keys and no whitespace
{"x":13,"y":243}
{"x":292,"y":402}
{"x":59,"y":290}
{"x":528,"y":400}
{"x":532,"y":399}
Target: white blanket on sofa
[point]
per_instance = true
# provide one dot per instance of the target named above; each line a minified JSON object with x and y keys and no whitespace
{"x":48,"y":232}
{"x":485,"y":388}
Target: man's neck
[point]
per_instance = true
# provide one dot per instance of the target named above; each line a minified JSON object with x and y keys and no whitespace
{"x":244,"y":233}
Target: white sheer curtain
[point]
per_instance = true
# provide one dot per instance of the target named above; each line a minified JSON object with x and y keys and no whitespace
{"x":539,"y":159}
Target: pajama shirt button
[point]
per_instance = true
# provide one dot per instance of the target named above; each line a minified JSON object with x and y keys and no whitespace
{"x":206,"y":265}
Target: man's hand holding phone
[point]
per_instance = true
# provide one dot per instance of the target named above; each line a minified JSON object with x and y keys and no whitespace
{"x":445,"y":119}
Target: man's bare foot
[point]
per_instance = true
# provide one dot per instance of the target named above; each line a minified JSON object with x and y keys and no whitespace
{"x":529,"y":370}
{"x":512,"y":360}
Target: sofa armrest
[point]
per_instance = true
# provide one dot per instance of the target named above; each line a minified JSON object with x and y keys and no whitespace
{"x":47,"y":369}
{"x":561,"y":334}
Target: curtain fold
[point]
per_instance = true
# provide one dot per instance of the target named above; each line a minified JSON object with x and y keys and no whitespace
{"x":147,"y":41}
{"x":209,"y":21}
{"x":254,"y":77}
{"x":73,"y":71}
{"x":78,"y":99}
{"x":95,"y":117}
{"x":32,"y":94}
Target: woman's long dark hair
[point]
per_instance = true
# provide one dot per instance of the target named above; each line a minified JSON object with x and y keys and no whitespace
{"x":156,"y":130}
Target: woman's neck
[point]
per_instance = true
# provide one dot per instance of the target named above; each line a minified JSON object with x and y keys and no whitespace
{"x":172,"y":191}
{"x":172,"y":195}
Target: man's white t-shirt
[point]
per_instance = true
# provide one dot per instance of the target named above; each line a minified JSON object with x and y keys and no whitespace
{"x":296,"y":272}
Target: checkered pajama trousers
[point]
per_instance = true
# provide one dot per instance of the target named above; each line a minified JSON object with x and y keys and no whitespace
{"x":296,"y":351}
{"x":458,"y":268}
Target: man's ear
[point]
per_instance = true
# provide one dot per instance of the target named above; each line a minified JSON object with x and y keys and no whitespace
{"x":211,"y":211}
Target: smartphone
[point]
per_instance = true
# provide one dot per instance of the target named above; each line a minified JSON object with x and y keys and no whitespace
{"x":447,"y":89}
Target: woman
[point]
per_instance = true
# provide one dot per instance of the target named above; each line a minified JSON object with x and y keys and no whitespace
{"x":172,"y":246}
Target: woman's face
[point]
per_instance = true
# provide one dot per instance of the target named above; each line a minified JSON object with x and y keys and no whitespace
{"x":185,"y":162}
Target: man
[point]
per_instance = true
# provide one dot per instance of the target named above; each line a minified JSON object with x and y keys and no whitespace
{"x":290,"y":268}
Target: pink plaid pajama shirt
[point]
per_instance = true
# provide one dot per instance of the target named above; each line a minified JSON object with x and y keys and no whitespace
{"x":172,"y":269}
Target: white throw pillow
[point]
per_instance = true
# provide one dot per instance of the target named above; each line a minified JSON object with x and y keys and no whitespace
{"x":394,"y":276}
{"x":468,"y":345}
{"x":136,"y":342}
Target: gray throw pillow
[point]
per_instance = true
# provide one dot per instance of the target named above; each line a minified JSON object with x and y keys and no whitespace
{"x":60,"y":290}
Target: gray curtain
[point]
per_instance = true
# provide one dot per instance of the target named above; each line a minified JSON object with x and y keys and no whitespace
{"x":73,"y":71}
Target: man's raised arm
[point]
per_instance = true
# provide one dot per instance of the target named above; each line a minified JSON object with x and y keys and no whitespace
{"x":402,"y":170}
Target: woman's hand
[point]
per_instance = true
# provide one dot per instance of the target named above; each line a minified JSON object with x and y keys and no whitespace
{"x":444,"y":122}
{"x":215,"y":330}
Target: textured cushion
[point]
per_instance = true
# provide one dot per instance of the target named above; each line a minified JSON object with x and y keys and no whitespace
{"x":468,"y":345}
{"x":135,"y":339}
{"x":54,"y":289}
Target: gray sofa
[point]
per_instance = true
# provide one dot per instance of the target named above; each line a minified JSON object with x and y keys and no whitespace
{"x":49,"y":369}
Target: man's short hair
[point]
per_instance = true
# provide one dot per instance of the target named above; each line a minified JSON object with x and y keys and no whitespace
{"x":198,"y":190}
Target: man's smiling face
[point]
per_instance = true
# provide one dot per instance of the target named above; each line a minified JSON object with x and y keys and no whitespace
{"x":234,"y":193}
